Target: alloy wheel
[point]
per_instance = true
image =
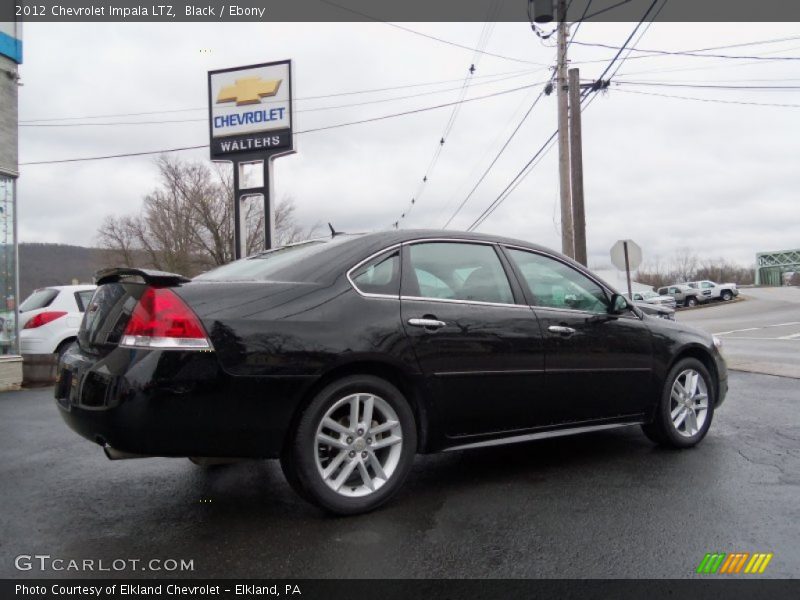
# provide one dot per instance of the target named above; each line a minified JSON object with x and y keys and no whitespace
{"x":688,"y":403}
{"x":358,"y":444}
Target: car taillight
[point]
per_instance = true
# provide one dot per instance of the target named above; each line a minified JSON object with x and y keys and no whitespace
{"x":44,"y":318}
{"x":162,"y":320}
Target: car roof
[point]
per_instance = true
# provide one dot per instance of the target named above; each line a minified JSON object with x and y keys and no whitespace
{"x":407,"y":235}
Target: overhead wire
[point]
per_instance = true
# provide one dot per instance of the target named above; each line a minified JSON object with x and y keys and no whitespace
{"x":312,"y":130}
{"x":510,"y":75}
{"x":494,"y":161}
{"x":713,"y":100}
{"x":483,"y":40}
{"x":587,"y":97}
{"x":428,"y":36}
{"x":316,"y":109}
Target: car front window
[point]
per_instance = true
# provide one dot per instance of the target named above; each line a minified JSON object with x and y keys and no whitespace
{"x":556,"y":285}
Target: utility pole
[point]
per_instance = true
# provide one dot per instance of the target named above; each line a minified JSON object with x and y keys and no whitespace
{"x":567,"y":242}
{"x":576,"y":166}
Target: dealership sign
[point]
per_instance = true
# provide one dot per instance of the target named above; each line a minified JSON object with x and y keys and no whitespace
{"x":250,"y":110}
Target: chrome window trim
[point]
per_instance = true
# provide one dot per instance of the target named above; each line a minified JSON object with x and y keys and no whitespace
{"x":455,"y":301}
{"x":366,"y":260}
{"x":586,"y":274}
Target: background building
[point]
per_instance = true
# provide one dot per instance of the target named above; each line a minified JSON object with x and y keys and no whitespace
{"x":10,"y":58}
{"x":771,"y":266}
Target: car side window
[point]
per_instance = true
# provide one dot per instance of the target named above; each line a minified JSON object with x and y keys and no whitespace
{"x":459,"y":271}
{"x":379,"y":276}
{"x":83,"y":298}
{"x":557,"y":285}
{"x":707,"y":284}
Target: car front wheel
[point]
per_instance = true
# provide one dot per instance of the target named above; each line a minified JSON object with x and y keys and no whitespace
{"x":353,"y":445}
{"x":691,"y":301}
{"x":686,"y":406}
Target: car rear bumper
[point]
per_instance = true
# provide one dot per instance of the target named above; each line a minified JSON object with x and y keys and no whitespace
{"x":173,"y":403}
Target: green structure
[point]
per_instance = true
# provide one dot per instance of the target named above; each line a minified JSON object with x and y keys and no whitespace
{"x":770,"y":266}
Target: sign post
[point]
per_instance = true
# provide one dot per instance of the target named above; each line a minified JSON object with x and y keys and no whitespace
{"x":250,"y":124}
{"x":626,"y":255}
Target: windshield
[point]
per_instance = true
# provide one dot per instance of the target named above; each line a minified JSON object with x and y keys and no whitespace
{"x":38,"y":299}
{"x":267,"y":265}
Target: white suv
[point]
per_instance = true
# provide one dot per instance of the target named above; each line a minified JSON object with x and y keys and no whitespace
{"x":715,"y":291}
{"x":49,"y":318}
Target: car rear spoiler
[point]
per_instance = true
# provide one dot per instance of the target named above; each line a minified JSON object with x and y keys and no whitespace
{"x":150,"y":276}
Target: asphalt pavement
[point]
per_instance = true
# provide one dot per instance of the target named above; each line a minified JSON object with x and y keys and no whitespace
{"x":760,"y":333}
{"x":609,"y":504}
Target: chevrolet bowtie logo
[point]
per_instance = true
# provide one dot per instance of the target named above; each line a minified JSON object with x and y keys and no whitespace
{"x":249,"y":90}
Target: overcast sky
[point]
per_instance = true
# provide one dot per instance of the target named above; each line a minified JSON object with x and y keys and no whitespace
{"x":722,"y":180}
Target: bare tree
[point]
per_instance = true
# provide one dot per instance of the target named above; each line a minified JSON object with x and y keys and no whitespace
{"x":186,"y":223}
{"x":686,"y":266}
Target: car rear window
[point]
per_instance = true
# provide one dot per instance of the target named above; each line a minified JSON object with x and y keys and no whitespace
{"x":273,"y":264}
{"x":39,"y":299}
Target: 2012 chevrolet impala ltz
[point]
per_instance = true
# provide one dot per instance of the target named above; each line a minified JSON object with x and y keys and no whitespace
{"x":345,"y":357}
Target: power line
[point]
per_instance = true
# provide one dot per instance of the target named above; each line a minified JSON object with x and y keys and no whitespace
{"x":317,"y":109}
{"x":483,"y":40}
{"x":717,"y":65}
{"x":580,"y":22}
{"x":313,"y":130}
{"x":319,"y":97}
{"x":494,"y":160}
{"x":714,"y":100}
{"x":523,"y":173}
{"x":531,"y":164}
{"x":710,"y":86}
{"x":627,"y":41}
{"x":430,"y":37}
{"x":641,"y":36}
{"x":692,"y":53}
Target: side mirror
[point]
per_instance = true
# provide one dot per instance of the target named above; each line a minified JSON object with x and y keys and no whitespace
{"x":618,"y":304}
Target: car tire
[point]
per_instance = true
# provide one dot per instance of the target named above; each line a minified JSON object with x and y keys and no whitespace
{"x":726,"y":296}
{"x":685,"y":409}
{"x":63,"y":347}
{"x":691,"y":301}
{"x":341,"y":463}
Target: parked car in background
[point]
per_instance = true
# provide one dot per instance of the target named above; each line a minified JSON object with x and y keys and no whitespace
{"x":715,"y":291}
{"x":683,"y":294}
{"x":49,"y":318}
{"x":656,"y":310}
{"x":649,"y":297}
{"x":345,"y":357}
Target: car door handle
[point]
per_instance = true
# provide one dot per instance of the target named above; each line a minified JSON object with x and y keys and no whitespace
{"x":561,"y":329}
{"x":427,"y":323}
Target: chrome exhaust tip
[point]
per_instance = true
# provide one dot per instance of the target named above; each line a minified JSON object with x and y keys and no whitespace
{"x":114,"y":454}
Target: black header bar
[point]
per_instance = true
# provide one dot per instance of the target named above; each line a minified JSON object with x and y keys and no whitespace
{"x":388,"y":10}
{"x":709,"y":587}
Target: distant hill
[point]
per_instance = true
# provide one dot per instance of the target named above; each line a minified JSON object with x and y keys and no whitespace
{"x":41,"y":265}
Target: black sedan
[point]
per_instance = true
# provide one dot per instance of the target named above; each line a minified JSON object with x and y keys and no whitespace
{"x":345,"y":357}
